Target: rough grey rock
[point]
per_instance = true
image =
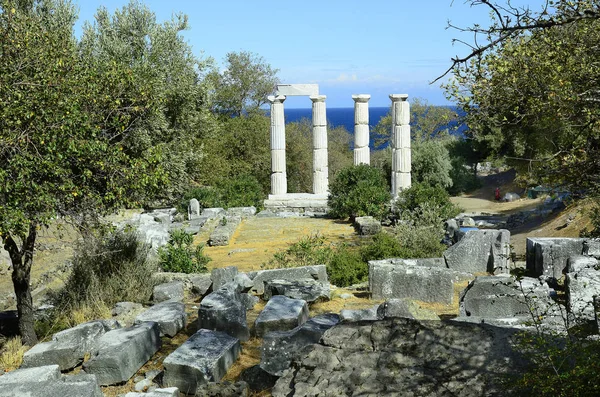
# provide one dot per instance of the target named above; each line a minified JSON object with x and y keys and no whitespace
{"x":223,"y":310}
{"x":591,"y":247}
{"x":427,"y":284}
{"x":480,"y":251}
{"x":243,"y":282}
{"x":243,"y":212}
{"x":258,"y":379}
{"x":280,"y":314}
{"x":404,"y":357}
{"x":201,"y":283}
{"x":581,"y":287}
{"x":309,"y":290}
{"x":122,"y":352}
{"x":249,"y":300}
{"x":548,"y":256}
{"x":126,"y":308}
{"x":317,"y":272}
{"x":576,"y":263}
{"x":29,"y":375}
{"x":402,"y":308}
{"x":80,"y":385}
{"x":224,"y":230}
{"x":67,"y":348}
{"x":142,"y":385}
{"x":281,"y":347}
{"x":224,"y":389}
{"x":468,"y":222}
{"x":165,"y":392}
{"x":204,"y":357}
{"x":168,"y":291}
{"x":354,"y":315}
{"x":367,"y":225}
{"x":498,"y":297}
{"x":169,"y":315}
{"x":222,"y":276}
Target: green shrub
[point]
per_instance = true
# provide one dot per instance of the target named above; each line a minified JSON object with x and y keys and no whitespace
{"x":179,"y":256}
{"x":107,"y":269}
{"x":241,"y":191}
{"x":207,"y":196}
{"x":346,"y":267}
{"x":308,"y":251}
{"x":435,"y":197}
{"x":384,"y":245}
{"x":359,"y":190}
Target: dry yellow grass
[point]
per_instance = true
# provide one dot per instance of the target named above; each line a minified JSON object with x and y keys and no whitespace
{"x":11,"y":355}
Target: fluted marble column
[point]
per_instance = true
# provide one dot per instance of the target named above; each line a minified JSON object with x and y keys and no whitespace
{"x":401,"y":155}
{"x":278,"y":172}
{"x":320,"y":162}
{"x":362,"y":153}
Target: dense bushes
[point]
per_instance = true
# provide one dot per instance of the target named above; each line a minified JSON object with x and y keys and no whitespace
{"x":240,"y":191}
{"x":359,"y":190}
{"x":435,"y":197}
{"x":179,"y":256}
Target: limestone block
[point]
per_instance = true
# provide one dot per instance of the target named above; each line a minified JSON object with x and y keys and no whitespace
{"x":122,"y":352}
{"x":79,"y":385}
{"x":204,"y":357}
{"x":362,"y":155}
{"x":278,"y":183}
{"x":548,"y":256}
{"x":173,"y":290}
{"x":281,"y":347}
{"x":480,"y":251}
{"x":281,"y":314}
{"x":361,"y":136}
{"x":309,"y":290}
{"x":353,"y":315}
{"x":401,"y":136}
{"x":317,"y":272}
{"x":223,"y":275}
{"x":576,"y":263}
{"x":223,"y":310}
{"x":223,"y":232}
{"x":278,"y":160}
{"x":170,"y":317}
{"x":30,"y":375}
{"x":581,"y":287}
{"x":319,"y":137}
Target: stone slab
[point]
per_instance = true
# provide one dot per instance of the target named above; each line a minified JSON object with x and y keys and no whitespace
{"x":170,"y":317}
{"x":548,"y":256}
{"x":80,"y":385}
{"x":224,"y":310}
{"x":480,"y":251}
{"x":204,"y":357}
{"x":122,"y":352}
{"x":309,"y":290}
{"x":317,"y":272}
{"x":280,"y":314}
{"x":28,"y":375}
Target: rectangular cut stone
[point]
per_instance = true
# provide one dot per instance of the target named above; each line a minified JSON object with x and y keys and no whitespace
{"x":122,"y":352}
{"x":28,"y":375}
{"x":480,"y":251}
{"x":204,"y":357}
{"x":170,"y":317}
{"x":362,"y":156}
{"x":281,"y":314}
{"x":297,"y":89}
{"x":79,"y":385}
{"x":278,"y":183}
{"x":319,"y":159}
{"x":320,"y":137}
{"x":361,"y":136}
{"x":361,"y":113}
{"x":278,"y":160}
{"x":317,"y":272}
{"x":401,"y":137}
{"x":547,"y":256}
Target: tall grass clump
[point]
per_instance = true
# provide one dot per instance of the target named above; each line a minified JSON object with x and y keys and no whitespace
{"x":179,"y":255}
{"x":11,"y":354}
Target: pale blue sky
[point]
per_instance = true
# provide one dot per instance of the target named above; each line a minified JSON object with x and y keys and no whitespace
{"x":376,"y":47}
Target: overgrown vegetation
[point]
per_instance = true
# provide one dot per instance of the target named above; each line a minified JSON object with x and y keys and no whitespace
{"x":180,"y":256}
{"x":359,"y":190}
{"x":11,"y":353}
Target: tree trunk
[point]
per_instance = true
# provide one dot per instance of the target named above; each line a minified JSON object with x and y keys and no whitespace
{"x":21,"y":262}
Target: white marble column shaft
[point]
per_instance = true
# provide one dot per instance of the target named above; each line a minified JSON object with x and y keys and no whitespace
{"x":362,"y":153}
{"x":401,"y":154}
{"x":320,"y":161}
{"x":278,"y":169}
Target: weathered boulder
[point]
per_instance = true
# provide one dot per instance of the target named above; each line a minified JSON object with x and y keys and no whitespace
{"x":47,"y":381}
{"x":354,"y":315}
{"x":317,"y":272}
{"x":309,"y":289}
{"x":404,"y":357}
{"x":169,"y":315}
{"x":480,"y":251}
{"x":201,"y":284}
{"x":497,"y":297}
{"x":403,"y":308}
{"x":548,"y":256}
{"x":581,"y":287}
{"x":224,"y":310}
{"x":223,"y":275}
{"x":67,"y":348}
{"x":424,"y":283}
{"x":281,"y":347}
{"x":121,"y":352}
{"x":258,"y":379}
{"x":165,"y":392}
{"x":281,"y":314}
{"x":222,"y":389}
{"x":204,"y":357}
{"x":168,"y":291}
{"x":367,"y":225}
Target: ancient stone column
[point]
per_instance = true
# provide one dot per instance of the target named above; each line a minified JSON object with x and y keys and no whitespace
{"x":401,"y":156}
{"x":320,"y":165}
{"x":361,"y":129}
{"x":278,"y":174}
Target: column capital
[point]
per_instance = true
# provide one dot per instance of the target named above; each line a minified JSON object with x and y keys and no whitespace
{"x":361,"y":97}
{"x":318,"y":98}
{"x":398,"y":97}
{"x":276,"y":99}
